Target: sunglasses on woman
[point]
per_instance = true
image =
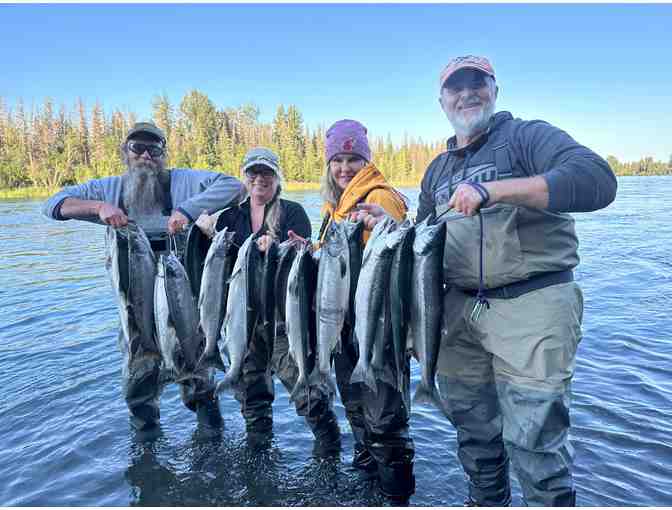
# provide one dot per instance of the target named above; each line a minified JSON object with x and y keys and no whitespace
{"x":139,"y":148}
{"x":259,"y":171}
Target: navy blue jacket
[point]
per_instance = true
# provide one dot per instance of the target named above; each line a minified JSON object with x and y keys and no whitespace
{"x":238,"y":219}
{"x":578,"y":179}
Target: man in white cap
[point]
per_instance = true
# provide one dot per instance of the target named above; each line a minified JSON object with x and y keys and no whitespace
{"x":149,"y":190}
{"x":512,"y":313}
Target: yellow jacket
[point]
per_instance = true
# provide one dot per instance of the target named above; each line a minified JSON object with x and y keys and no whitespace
{"x":369,"y":187}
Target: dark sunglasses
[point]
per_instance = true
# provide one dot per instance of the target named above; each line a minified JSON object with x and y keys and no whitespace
{"x":473,"y":81}
{"x":140,"y":148}
{"x":259,"y":171}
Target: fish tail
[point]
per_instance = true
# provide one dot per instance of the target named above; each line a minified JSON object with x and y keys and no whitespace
{"x":221,"y":387}
{"x":211,"y":359}
{"x":300,"y":385}
{"x":358,"y":374}
{"x":324,"y":381}
{"x":229,"y":382}
{"x":428,"y":395}
{"x":371,"y":380}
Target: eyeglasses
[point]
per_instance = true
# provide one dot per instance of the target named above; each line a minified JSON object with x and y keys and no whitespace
{"x":256,"y":171}
{"x":473,"y":81}
{"x":139,"y":148}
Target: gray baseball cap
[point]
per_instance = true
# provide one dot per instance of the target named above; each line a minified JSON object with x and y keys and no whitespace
{"x":262,"y":156}
{"x":149,"y":128}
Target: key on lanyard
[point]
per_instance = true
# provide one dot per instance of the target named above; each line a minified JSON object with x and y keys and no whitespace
{"x":478,"y":308}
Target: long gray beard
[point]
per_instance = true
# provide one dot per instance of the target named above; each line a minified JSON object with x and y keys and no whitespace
{"x":143,"y":193}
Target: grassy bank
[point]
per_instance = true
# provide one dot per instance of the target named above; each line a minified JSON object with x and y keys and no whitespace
{"x":38,"y":192}
{"x":25,"y":193}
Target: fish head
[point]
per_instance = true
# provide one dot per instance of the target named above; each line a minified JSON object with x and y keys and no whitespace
{"x":337,"y":240}
{"x":427,"y":237}
{"x":353,"y":230}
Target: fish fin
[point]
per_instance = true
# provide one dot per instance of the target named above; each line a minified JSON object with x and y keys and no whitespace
{"x":371,"y":380}
{"x":338,"y":347}
{"x":388,"y":378}
{"x":330,"y":385}
{"x":364,"y":375}
{"x":230,"y":381}
{"x":344,"y":267}
{"x":222,"y":387}
{"x":213,"y":359}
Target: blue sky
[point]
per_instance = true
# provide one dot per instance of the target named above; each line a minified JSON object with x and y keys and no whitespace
{"x":601,"y":72}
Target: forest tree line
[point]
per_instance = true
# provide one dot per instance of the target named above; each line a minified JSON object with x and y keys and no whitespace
{"x":50,"y":146}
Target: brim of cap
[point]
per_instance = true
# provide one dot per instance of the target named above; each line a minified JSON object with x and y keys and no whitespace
{"x":262,"y":163}
{"x":484,"y":70}
{"x":151,"y":133}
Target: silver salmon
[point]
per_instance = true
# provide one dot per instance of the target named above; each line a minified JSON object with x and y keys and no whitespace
{"x":131,"y":265}
{"x":332,"y":298}
{"x":427,"y":305}
{"x":213,"y":293}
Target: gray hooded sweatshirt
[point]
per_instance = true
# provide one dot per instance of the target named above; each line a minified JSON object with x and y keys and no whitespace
{"x":191,"y":192}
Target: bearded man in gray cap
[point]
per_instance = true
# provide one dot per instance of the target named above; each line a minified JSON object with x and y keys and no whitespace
{"x":149,"y":190}
{"x":512,"y":313}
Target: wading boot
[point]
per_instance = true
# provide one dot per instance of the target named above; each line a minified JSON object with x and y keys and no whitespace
{"x":208,"y":413}
{"x":362,"y":459}
{"x":327,"y":437}
{"x":397,"y":482}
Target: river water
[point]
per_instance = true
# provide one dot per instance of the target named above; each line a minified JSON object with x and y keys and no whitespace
{"x":66,"y":438}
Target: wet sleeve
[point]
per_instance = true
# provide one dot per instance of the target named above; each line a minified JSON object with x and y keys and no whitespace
{"x":214,"y":191}
{"x":297,"y":220}
{"x":578,"y":179}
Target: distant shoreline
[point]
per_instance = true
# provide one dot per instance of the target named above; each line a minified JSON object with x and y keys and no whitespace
{"x":41,"y":192}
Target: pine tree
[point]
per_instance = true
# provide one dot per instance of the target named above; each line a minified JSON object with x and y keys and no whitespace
{"x":163,"y":113}
{"x":99,"y":160}
{"x":83,"y":132}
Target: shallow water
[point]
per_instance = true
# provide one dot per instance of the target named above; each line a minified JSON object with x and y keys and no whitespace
{"x":66,"y":439}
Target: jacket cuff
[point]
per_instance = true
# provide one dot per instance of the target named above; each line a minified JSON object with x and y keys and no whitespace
{"x":183,"y":211}
{"x":57,"y":210}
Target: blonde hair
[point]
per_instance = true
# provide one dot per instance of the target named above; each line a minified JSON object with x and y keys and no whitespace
{"x":329,"y":190}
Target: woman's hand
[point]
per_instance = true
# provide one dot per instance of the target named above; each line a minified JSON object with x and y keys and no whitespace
{"x":295,"y":238}
{"x":370,"y":214}
{"x":263,"y":242}
{"x":206,"y":223}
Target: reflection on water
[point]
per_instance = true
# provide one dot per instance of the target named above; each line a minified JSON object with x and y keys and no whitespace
{"x":67,"y":440}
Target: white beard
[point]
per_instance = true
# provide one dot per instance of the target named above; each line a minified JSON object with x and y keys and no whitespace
{"x":143,"y":193}
{"x":475,"y":124}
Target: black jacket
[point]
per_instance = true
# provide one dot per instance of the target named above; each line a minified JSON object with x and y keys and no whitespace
{"x":578,"y":179}
{"x":238,"y":219}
